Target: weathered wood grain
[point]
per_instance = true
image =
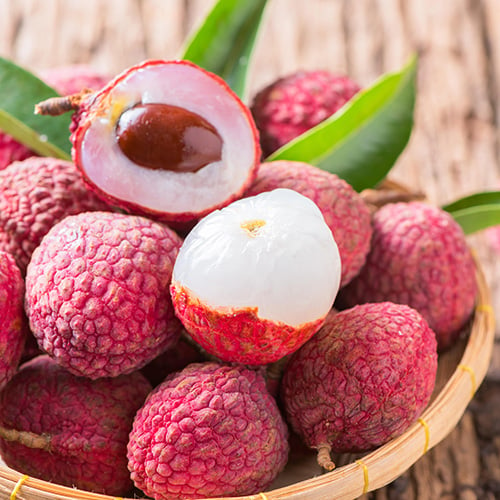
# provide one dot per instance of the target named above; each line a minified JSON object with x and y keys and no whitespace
{"x":454,"y":149}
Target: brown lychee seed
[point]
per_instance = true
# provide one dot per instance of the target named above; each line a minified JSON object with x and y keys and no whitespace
{"x":70,"y":430}
{"x":34,"y":195}
{"x":209,"y":430}
{"x":293,"y":104}
{"x":344,"y":210}
{"x":13,"y":325}
{"x":254,"y":280}
{"x":419,"y":256}
{"x":153,"y":142}
{"x":362,"y":380}
{"x":97,"y":292}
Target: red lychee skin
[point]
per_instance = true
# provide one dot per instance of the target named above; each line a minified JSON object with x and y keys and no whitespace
{"x":91,"y":108}
{"x":238,"y":335}
{"x":88,"y":421}
{"x":97,"y":293}
{"x":363,"y":379}
{"x":344,"y":210}
{"x":34,"y":195}
{"x":209,"y":430}
{"x":419,"y":257}
{"x":73,"y":78}
{"x":297,"y":102}
{"x":13,"y":326}
{"x":11,"y":151}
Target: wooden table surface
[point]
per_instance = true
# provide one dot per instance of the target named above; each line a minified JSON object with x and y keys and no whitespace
{"x":453,"y":151}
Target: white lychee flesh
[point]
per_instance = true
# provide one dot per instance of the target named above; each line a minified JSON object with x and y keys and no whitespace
{"x":272,"y":252}
{"x":181,"y":84}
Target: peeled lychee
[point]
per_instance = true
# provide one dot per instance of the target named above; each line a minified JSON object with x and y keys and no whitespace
{"x":254,"y":280}
{"x":165,"y":139}
{"x":419,"y":256}
{"x":34,"y":195}
{"x":70,"y":430}
{"x":210,"y":430}
{"x":97,"y":292}
{"x":363,"y":379}
{"x":344,"y":210}
{"x":13,"y":327}
{"x":293,"y":104}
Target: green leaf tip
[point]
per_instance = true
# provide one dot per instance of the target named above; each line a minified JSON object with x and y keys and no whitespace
{"x":362,"y":140}
{"x":20,"y":91}
{"x":224,"y":42}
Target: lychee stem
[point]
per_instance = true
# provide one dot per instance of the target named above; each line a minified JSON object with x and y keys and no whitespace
{"x":324,"y":459}
{"x":59,"y":105}
{"x":29,"y":439}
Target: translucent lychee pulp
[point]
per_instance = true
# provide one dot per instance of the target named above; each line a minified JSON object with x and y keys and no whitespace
{"x":272,"y":252}
{"x":187,"y":87}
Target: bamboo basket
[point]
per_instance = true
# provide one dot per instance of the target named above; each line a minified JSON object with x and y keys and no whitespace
{"x":460,"y":372}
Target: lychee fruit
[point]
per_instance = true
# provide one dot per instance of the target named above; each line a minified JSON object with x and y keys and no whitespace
{"x":12,"y":150}
{"x":344,"y":210}
{"x":97,"y":292}
{"x":210,"y":430}
{"x":254,"y":280}
{"x":34,"y":195}
{"x":70,"y":430}
{"x":13,"y":326}
{"x":293,"y":104}
{"x":73,"y":78}
{"x":165,"y":139}
{"x":419,"y":256}
{"x":363,"y":379}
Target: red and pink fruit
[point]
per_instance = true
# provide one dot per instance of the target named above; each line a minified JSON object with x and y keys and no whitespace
{"x":419,"y":256}
{"x":344,"y":210}
{"x":362,"y":380}
{"x":254,"y":280}
{"x":67,"y":429}
{"x":13,"y":326}
{"x":97,"y":292}
{"x":210,"y":430}
{"x":295,"y":103}
{"x":34,"y":195}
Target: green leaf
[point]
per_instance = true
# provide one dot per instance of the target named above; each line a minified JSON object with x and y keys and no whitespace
{"x":477,"y":211}
{"x":19,"y":92}
{"x":362,"y":141}
{"x":224,"y":43}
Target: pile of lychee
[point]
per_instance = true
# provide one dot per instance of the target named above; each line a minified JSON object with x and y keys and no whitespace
{"x":150,"y":286}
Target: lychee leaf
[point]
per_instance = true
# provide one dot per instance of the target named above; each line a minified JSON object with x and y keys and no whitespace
{"x":477,"y":211}
{"x":29,"y":137}
{"x":224,"y":42}
{"x":20,"y":90}
{"x":362,"y":141}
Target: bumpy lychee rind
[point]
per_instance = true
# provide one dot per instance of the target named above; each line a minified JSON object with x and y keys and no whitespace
{"x":13,"y":327}
{"x":12,"y":150}
{"x":419,"y":256}
{"x":297,"y":102}
{"x":34,"y":195}
{"x":183,"y":197}
{"x":362,"y":379}
{"x":209,"y":430}
{"x":344,"y":210}
{"x":88,"y":423}
{"x":97,"y":292}
{"x":238,"y":334}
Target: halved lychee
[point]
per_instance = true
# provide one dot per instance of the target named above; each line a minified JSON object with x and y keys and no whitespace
{"x":165,"y":139}
{"x":255,"y":280}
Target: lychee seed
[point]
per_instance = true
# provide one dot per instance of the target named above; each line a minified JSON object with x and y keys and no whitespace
{"x":253,"y":281}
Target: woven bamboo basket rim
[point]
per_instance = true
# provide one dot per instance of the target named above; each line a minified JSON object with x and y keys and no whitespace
{"x":372,"y":470}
